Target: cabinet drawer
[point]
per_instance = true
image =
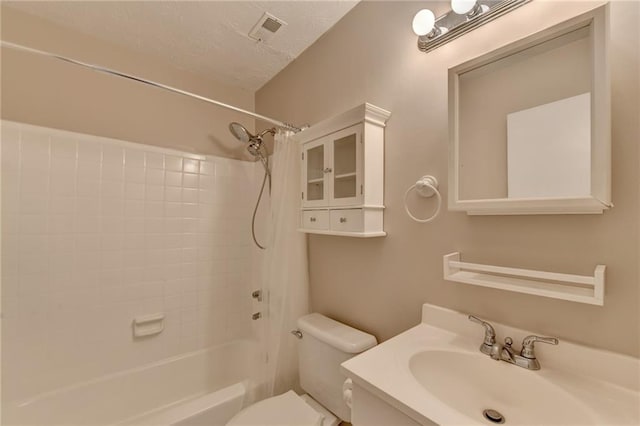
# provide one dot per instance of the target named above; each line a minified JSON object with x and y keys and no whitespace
{"x":350,"y":220}
{"x":315,"y":219}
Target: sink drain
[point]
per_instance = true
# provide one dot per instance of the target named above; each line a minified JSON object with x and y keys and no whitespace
{"x":493,"y":416}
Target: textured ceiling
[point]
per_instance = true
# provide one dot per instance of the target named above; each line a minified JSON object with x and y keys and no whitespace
{"x":205,"y":37}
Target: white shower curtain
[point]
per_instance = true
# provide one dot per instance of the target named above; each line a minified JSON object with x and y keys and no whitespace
{"x":286,"y":281}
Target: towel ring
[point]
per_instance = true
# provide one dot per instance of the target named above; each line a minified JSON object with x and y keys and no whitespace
{"x":426,"y":187}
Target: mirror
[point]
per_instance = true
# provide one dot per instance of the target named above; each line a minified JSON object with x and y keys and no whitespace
{"x":530,"y":124}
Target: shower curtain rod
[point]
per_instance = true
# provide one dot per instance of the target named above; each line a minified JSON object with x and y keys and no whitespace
{"x":150,"y":83}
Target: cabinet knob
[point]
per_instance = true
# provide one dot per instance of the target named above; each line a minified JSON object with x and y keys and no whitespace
{"x":343,"y":219}
{"x":328,"y":170}
{"x":312,"y":219}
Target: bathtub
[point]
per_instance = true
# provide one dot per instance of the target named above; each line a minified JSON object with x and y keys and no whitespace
{"x":205,"y":387}
{"x":212,"y":409}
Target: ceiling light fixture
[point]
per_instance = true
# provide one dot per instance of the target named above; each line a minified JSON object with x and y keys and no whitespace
{"x":469,"y":8}
{"x":465,"y":16}
{"x":424,"y":25}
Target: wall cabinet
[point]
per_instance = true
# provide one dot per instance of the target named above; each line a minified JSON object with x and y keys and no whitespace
{"x":342,"y":174}
{"x":332,"y":169}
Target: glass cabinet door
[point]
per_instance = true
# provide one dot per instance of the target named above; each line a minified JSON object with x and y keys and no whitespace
{"x":346,"y":176}
{"x":315,"y":170}
{"x":332,"y":169}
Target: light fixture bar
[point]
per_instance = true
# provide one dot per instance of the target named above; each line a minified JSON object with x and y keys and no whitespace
{"x":458,"y":25}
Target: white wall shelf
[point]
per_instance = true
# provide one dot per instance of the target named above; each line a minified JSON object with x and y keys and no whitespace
{"x":345,"y":175}
{"x":575,"y":288}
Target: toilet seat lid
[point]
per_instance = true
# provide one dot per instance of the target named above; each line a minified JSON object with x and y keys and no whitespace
{"x":287,"y":409}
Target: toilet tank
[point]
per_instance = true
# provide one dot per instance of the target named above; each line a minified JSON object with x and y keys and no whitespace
{"x":324,"y":346}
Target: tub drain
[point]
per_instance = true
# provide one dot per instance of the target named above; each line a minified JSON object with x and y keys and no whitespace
{"x":493,"y":416}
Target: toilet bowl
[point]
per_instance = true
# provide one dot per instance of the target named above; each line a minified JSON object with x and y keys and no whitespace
{"x":325,"y":344}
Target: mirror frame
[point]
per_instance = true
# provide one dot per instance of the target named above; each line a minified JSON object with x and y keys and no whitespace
{"x":600,"y":198}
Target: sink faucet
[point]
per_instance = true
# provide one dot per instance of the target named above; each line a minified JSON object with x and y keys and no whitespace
{"x":527,"y":357}
{"x":489,"y":335}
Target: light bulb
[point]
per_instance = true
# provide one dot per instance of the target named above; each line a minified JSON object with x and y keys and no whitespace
{"x":462,"y":7}
{"x":423,"y":22}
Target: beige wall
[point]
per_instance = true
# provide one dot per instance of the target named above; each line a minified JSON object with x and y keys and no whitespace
{"x":51,"y":93}
{"x":380,"y":284}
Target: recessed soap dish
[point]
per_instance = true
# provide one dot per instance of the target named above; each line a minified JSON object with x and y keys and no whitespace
{"x":147,"y":325}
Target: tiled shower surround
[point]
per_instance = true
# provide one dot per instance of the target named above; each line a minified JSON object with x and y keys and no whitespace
{"x":96,"y":232}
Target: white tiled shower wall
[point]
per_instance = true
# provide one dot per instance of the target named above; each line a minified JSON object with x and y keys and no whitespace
{"x":96,"y":232}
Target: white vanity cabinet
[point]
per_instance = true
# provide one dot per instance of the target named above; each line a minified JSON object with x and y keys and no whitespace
{"x":342,"y":174}
{"x":370,"y":410}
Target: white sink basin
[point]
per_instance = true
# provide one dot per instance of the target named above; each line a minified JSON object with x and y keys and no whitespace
{"x":435,"y":373}
{"x":472,"y":383}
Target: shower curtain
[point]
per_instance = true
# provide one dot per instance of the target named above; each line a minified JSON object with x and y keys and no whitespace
{"x":286,"y":281}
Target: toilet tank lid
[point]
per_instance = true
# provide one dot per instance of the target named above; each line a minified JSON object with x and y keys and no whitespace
{"x":334,"y":333}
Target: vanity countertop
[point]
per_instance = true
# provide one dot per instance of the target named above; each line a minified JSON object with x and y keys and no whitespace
{"x":434,"y":372}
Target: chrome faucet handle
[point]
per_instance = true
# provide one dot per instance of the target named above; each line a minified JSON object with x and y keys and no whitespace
{"x":528,"y":345}
{"x":489,"y":335}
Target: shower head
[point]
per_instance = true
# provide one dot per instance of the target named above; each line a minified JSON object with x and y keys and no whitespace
{"x":240,"y":132}
{"x":255,"y":141}
{"x":254,"y":148}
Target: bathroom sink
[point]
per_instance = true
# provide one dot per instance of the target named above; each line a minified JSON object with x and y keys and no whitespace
{"x":471,"y":383}
{"x":435,"y":374}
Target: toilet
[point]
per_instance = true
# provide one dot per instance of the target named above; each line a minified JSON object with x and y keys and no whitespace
{"x":325,"y":344}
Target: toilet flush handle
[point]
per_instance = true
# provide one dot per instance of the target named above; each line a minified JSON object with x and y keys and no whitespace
{"x":297,"y":333}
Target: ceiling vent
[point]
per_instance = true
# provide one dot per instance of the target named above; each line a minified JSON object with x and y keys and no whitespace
{"x":266,"y":28}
